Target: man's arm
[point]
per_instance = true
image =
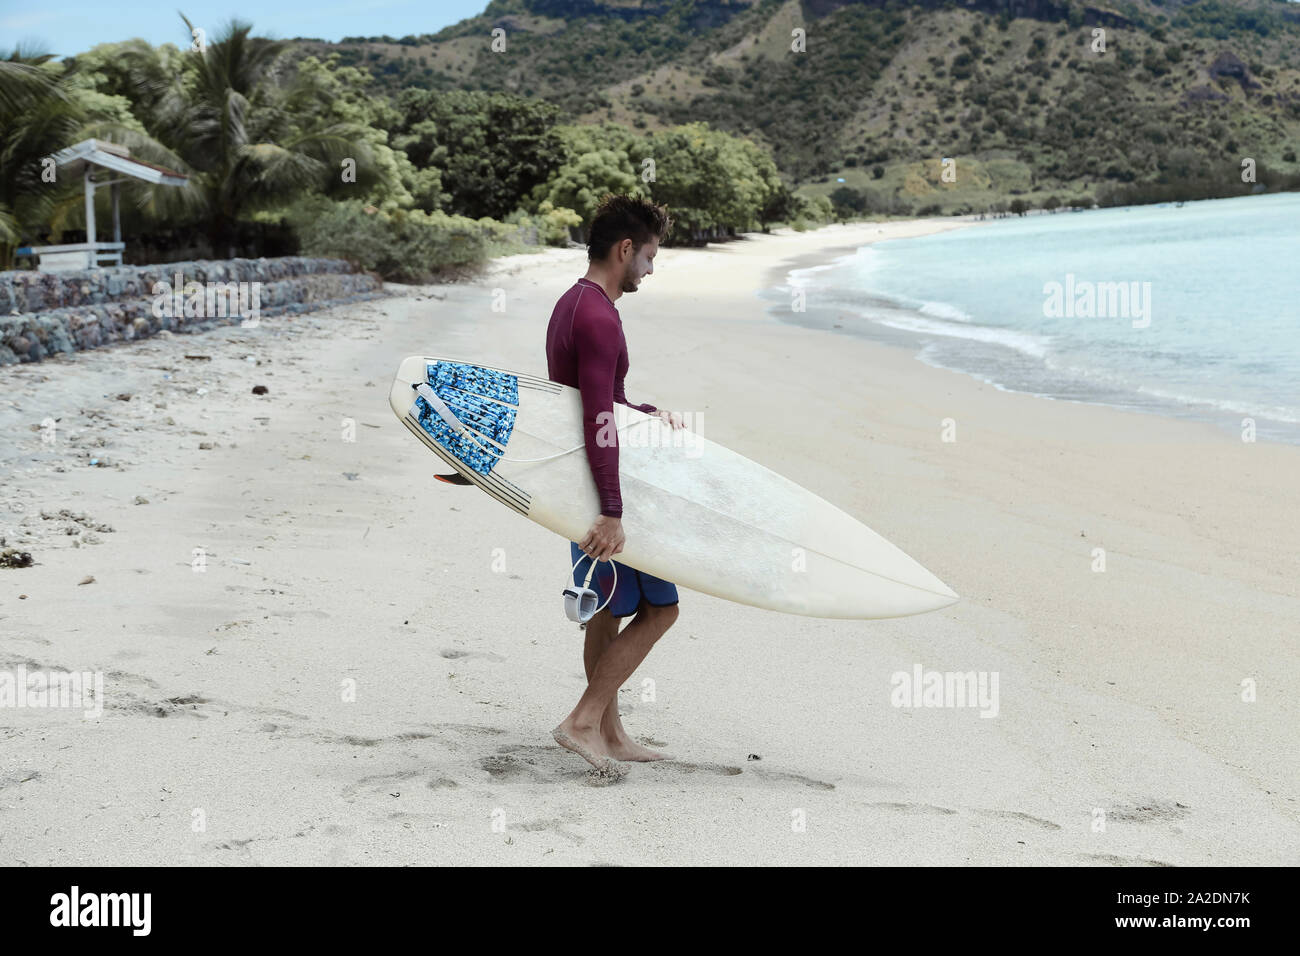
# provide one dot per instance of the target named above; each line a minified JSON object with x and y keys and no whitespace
{"x":621,"y":398}
{"x":598,"y":347}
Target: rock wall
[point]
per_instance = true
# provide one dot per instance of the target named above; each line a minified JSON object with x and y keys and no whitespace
{"x":42,"y":313}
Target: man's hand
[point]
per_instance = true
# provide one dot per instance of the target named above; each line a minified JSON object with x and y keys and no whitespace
{"x":676,"y":419}
{"x":605,"y":539}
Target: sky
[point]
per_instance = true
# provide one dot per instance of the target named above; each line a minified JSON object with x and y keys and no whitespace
{"x":68,"y":27}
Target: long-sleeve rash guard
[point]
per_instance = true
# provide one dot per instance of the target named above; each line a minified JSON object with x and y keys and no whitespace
{"x":586,"y":350}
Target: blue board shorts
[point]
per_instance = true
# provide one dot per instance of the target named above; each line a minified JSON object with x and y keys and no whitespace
{"x":632,"y":588}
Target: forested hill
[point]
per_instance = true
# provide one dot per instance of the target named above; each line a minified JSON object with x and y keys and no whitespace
{"x":1019,"y":89}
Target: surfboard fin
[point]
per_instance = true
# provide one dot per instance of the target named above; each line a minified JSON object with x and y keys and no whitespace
{"x":454,"y":479}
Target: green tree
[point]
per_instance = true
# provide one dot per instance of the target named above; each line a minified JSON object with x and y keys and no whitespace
{"x":227,"y":119}
{"x":39,"y":116}
{"x":493,"y":148}
{"x":325,"y":95}
{"x":780,"y":207}
{"x":132,"y":72}
{"x":587,"y":138}
{"x":709,"y":179}
{"x":584,"y":179}
{"x":814,"y":209}
{"x":848,"y":202}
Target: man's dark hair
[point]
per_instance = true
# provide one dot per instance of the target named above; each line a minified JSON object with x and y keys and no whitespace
{"x":620,"y":217}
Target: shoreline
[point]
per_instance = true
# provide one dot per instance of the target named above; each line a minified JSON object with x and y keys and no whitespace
{"x":872,"y":231}
{"x":332,"y":556}
{"x":1173,"y":410}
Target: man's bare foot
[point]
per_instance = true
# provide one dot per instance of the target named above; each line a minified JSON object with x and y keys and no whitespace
{"x":588,"y":745}
{"x":622,"y":747}
{"x":626,"y":748}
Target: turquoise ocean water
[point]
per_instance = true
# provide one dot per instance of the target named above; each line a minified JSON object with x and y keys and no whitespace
{"x":1189,"y":310}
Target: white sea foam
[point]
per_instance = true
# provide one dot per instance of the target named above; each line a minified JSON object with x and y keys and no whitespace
{"x":944,"y":310}
{"x":864,"y":261}
{"x":1277,"y":413}
{"x":801,"y":278}
{"x":1035,"y":346}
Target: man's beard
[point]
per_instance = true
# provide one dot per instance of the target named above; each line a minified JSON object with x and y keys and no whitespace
{"x":629,"y":284}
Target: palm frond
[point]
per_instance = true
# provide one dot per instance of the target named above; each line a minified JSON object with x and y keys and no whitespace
{"x":23,"y":83}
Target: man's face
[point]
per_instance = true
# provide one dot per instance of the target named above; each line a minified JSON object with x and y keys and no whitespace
{"x":642,"y":263}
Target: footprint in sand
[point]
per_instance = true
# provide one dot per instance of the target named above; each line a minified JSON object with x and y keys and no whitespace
{"x":1149,"y":811}
{"x":915,"y":808}
{"x":472,"y":730}
{"x":190,"y":705}
{"x":456,"y":654}
{"x":721,"y":770}
{"x":382,"y":783}
{"x":508,"y":768}
{"x":792,"y":778}
{"x":1111,"y":859}
{"x":1019,"y":817}
{"x":559,"y":827}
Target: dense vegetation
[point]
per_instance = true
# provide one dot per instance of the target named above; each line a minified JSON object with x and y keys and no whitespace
{"x":1180,"y":95}
{"x":426,"y":152}
{"x":307,"y":158}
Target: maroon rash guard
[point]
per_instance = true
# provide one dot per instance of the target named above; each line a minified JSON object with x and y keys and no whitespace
{"x":586,"y":350}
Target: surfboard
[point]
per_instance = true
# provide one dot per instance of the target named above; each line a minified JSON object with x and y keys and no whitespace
{"x":694,"y":512}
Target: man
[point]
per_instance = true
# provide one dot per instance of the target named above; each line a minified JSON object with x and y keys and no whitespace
{"x":585,"y":349}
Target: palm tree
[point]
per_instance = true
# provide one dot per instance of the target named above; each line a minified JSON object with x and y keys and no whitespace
{"x":38,"y":117}
{"x":225,"y":121}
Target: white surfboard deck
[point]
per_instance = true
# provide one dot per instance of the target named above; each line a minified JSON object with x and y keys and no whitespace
{"x":694,"y":512}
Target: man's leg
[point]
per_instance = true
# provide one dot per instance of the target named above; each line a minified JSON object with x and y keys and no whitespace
{"x":580,"y":731}
{"x":601,"y":630}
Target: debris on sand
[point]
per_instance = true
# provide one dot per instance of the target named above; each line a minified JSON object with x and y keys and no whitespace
{"x":13,"y":558}
{"x":81,"y":518}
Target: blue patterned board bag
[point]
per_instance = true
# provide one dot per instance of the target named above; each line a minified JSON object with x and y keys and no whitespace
{"x":482,"y":399}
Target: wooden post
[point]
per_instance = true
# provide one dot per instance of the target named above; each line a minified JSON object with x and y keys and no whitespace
{"x":117,"y":219}
{"x":90,"y":218}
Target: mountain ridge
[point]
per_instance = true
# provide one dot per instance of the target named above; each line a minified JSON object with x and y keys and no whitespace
{"x":1182,"y":90}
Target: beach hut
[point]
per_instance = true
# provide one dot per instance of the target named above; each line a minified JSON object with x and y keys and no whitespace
{"x":100,"y":164}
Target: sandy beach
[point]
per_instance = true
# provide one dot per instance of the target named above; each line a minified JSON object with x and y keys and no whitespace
{"x":354,"y":678}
